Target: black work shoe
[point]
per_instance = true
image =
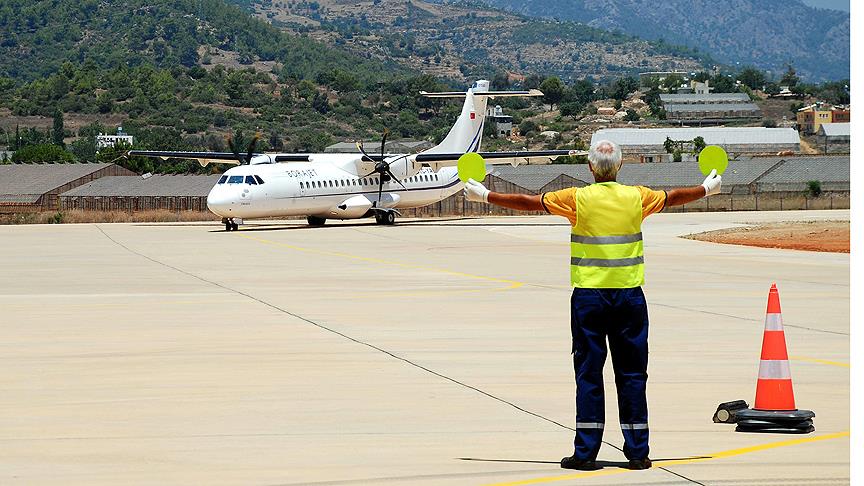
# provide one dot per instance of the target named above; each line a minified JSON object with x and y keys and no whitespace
{"x":639,"y":464}
{"x":580,"y":464}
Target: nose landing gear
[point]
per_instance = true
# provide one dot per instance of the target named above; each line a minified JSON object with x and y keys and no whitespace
{"x":230,"y":224}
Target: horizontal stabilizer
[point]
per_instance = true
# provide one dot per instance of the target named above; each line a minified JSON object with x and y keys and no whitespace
{"x":491,"y":94}
{"x":497,"y":158}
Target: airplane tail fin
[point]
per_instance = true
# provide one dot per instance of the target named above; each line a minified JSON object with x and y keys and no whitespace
{"x":467,"y":132}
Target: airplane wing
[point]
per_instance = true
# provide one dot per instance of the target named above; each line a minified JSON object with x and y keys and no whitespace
{"x":205,"y":158}
{"x":497,"y":158}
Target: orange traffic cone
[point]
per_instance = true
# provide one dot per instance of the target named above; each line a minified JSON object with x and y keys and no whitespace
{"x":774,"y":386}
{"x":774,"y":410}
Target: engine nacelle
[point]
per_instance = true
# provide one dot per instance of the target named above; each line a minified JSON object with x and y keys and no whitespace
{"x":353,"y":207}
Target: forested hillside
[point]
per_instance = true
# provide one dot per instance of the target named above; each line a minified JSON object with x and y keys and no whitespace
{"x":184,"y":74}
{"x":456,"y":40}
{"x":766,"y":33}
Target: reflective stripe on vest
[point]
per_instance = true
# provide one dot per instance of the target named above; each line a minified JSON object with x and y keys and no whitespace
{"x":606,"y":241}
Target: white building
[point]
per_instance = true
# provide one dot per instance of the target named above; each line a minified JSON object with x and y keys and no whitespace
{"x":503,"y":123}
{"x":103,"y":140}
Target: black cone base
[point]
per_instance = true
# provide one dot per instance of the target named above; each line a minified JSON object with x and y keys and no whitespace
{"x":778,"y":422}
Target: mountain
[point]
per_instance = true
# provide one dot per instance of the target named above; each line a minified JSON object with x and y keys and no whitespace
{"x":184,"y":74}
{"x":461,"y":42}
{"x":36,"y":38}
{"x":765,"y":33}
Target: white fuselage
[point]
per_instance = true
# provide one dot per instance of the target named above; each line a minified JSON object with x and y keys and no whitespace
{"x":327,"y":189}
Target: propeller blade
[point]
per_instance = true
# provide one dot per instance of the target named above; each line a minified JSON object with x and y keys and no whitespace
{"x":380,"y":187}
{"x":396,"y":179}
{"x":384,"y":141}
{"x":362,"y":151}
{"x":252,"y":145}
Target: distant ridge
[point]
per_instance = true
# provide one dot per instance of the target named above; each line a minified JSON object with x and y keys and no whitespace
{"x":765,"y":33}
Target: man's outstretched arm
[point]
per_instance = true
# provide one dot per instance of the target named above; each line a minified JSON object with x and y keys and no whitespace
{"x":474,"y":191}
{"x":711,"y":185}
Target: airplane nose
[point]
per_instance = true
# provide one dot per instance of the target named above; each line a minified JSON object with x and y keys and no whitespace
{"x":219,"y":203}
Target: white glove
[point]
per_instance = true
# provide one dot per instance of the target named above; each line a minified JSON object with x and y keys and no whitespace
{"x":474,"y":191}
{"x":712,"y":183}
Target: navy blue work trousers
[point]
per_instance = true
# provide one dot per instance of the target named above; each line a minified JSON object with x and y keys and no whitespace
{"x":621,"y":315}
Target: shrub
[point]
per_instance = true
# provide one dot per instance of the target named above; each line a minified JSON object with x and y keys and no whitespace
{"x":814,"y":188}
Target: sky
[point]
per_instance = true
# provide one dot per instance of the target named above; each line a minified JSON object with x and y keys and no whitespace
{"x":835,"y":4}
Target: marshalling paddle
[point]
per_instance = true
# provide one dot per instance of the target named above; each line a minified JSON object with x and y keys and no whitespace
{"x":713,"y":157}
{"x":471,"y":166}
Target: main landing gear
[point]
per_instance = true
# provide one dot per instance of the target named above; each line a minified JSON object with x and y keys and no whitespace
{"x":230,"y":225}
{"x":315,"y":221}
{"x":385,"y":217}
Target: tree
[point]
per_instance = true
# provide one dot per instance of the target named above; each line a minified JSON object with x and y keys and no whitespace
{"x":553,"y":91}
{"x":631,"y":115}
{"x":623,"y":87}
{"x":581,"y":91}
{"x":698,"y":144}
{"x":41,"y":154}
{"x":752,"y":77}
{"x":790,"y":78}
{"x":58,"y":132}
{"x":500,"y":81}
{"x":572,"y":108}
{"x":532,"y":81}
{"x":526,"y":127}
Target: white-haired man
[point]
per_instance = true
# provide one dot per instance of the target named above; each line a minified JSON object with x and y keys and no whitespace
{"x":606,"y":273}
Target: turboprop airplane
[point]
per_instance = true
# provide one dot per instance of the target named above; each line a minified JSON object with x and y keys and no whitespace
{"x":325,"y":186}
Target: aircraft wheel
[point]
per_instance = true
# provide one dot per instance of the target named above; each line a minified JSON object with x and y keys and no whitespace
{"x":379,"y":218}
{"x":389,"y":217}
{"x":315,"y":221}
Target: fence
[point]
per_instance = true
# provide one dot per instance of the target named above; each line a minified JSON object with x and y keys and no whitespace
{"x":134,"y":203}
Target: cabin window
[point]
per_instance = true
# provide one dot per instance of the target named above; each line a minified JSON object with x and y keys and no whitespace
{"x":342,"y":182}
{"x":259,"y":179}
{"x":251,"y":180}
{"x":223,"y":179}
{"x":235,"y":180}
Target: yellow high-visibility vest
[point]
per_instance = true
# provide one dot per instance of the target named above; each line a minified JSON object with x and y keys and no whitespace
{"x":606,"y":241}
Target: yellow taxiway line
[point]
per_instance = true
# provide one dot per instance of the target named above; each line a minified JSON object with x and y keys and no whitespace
{"x":511,"y":284}
{"x":711,"y":457}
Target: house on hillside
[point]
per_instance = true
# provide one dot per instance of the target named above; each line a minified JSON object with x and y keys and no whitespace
{"x":122,"y":138}
{"x":811,"y":117}
{"x":503,"y":123}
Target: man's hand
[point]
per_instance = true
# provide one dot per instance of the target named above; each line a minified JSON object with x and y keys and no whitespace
{"x":474,"y":191}
{"x":712,"y":183}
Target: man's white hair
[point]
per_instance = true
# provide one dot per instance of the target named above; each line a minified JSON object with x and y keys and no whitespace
{"x":605,"y":159}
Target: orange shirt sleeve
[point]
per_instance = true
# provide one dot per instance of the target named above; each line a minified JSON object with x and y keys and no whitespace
{"x":561,"y":203}
{"x":652,"y":201}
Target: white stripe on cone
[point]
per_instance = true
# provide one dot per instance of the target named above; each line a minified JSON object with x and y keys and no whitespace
{"x":773,"y":322}
{"x":775,"y":369}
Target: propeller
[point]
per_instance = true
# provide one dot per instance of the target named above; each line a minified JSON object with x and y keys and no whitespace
{"x":382,"y":167}
{"x":246,"y":158}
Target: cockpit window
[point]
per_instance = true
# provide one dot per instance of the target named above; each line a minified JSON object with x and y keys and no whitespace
{"x":251,"y":180}
{"x":235,"y":180}
{"x":223,"y":179}
{"x":259,"y":179}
